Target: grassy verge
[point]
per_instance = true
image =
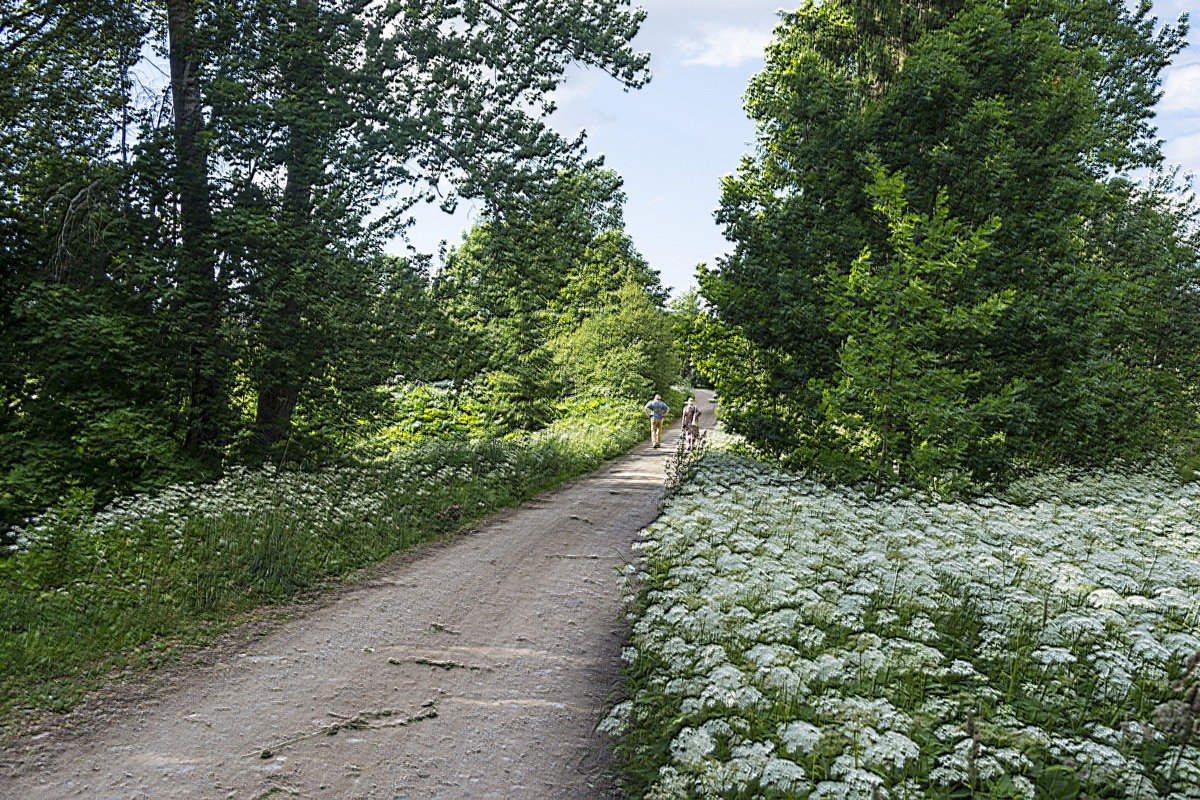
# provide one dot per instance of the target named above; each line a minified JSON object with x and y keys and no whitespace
{"x":794,"y":640}
{"x":86,"y":593}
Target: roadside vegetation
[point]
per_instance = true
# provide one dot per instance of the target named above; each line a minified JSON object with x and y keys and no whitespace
{"x":956,"y":339}
{"x":85,"y":593}
{"x":793,"y":639}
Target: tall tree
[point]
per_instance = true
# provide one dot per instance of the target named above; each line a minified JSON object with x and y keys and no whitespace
{"x":523,"y":271}
{"x":200,"y":295}
{"x":288,"y":354}
{"x":354,"y":104}
{"x":903,"y":407}
{"x":1027,"y":113}
{"x":551,"y":298}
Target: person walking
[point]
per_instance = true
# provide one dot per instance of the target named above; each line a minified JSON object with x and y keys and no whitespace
{"x":657,"y":410}
{"x":691,"y":422}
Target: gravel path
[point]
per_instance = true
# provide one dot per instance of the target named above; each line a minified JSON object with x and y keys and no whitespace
{"x":478,"y":669}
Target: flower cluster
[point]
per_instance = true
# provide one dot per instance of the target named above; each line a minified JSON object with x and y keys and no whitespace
{"x":313,"y":502}
{"x":794,"y":640}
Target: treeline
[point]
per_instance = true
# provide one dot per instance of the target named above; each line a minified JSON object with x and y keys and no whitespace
{"x":194,"y":202}
{"x":957,"y":251}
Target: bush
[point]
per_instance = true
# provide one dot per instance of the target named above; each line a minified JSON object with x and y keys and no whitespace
{"x":426,"y":412}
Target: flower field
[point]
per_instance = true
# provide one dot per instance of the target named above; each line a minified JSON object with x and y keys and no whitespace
{"x":793,"y":640}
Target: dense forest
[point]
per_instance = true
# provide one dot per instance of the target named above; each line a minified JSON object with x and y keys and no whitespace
{"x":198,"y":201}
{"x":958,"y":253}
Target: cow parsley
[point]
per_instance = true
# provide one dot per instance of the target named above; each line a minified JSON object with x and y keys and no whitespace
{"x":807,"y":641}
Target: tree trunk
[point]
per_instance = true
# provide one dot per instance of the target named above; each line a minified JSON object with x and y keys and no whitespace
{"x":289,"y":357}
{"x":200,"y":306}
{"x":279,"y":388}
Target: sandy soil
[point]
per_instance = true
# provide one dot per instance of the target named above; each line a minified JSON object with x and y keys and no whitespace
{"x":478,"y":669}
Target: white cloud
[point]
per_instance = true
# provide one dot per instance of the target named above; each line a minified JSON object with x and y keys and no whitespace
{"x":1184,"y":151}
{"x":1181,"y":89}
{"x":1169,"y":10}
{"x":724,"y":46}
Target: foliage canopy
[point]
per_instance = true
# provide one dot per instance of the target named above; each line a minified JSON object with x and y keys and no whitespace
{"x":1025,"y":121}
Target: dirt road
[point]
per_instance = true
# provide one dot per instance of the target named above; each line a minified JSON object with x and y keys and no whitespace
{"x":477,"y":670}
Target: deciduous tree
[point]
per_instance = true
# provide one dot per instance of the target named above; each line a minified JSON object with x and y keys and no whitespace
{"x":1032,"y":114}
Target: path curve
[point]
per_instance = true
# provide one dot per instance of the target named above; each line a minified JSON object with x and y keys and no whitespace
{"x":477,"y":670}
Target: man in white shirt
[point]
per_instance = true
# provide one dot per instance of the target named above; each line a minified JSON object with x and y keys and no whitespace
{"x":657,"y":410}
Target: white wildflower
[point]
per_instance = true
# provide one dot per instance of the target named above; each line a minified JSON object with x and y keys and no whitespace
{"x":799,"y":737}
{"x":890,"y":750}
{"x":691,"y":746}
{"x":784,"y":775}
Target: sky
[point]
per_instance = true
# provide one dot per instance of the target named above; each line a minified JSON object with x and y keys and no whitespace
{"x":673,"y":140}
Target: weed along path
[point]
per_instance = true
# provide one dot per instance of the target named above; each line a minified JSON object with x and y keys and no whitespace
{"x":477,"y":669}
